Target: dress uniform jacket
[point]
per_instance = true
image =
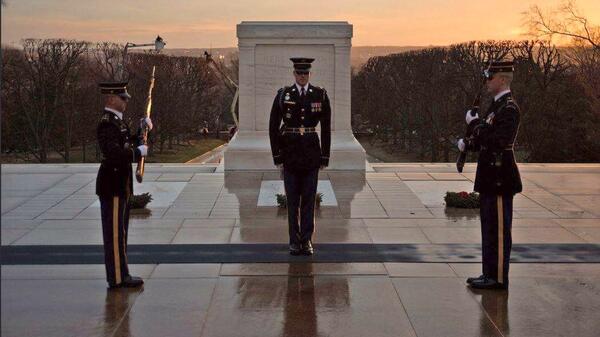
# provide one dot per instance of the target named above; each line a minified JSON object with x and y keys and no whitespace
{"x":298,"y":150}
{"x":118,"y":146}
{"x":493,"y":137}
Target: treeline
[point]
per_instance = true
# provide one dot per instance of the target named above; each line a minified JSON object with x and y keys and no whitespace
{"x":50,"y":101}
{"x":415,"y":102}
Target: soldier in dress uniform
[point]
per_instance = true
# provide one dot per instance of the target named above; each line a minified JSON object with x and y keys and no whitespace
{"x":297,"y":109}
{"x":497,"y":179}
{"x":114,"y":184}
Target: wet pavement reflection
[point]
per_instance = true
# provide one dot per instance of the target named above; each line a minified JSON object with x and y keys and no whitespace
{"x":116,"y":308}
{"x":495,"y":308}
{"x":398,"y":203}
{"x":304,"y":299}
{"x":300,"y":314}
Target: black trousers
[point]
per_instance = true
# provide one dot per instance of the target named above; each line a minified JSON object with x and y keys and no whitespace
{"x":115,"y":226}
{"x":496,"y":238}
{"x":301,"y":193}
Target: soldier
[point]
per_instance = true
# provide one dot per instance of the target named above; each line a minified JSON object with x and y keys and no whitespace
{"x":497,"y":178}
{"x":296,"y":150}
{"x":114,"y":184}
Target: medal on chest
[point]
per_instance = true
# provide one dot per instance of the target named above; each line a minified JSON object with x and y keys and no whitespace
{"x":315,"y":107}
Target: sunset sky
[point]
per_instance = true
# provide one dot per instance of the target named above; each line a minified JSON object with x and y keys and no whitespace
{"x":199,"y":24}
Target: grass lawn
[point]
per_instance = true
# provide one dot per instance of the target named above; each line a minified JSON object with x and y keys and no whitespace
{"x":184,"y":153}
{"x":382,"y":152}
{"x":178,"y":154}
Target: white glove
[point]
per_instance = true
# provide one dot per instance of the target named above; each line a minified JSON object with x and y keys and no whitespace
{"x":146,"y":121}
{"x":143,"y":150}
{"x":461,"y":145}
{"x":469,"y":118}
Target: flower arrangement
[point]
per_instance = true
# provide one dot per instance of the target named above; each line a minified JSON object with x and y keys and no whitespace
{"x":462,"y":199}
{"x":140,"y":201}
{"x":282,"y":200}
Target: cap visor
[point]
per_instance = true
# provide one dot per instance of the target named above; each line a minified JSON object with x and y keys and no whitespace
{"x":125,"y":96}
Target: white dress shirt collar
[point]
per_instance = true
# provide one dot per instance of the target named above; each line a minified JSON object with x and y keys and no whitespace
{"x":500,"y":94}
{"x":119,"y":114}
{"x":300,"y":88}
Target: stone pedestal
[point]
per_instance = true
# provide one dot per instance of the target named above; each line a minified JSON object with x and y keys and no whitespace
{"x":265,"y":49}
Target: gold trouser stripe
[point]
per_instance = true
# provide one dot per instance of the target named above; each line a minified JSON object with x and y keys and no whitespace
{"x":500,"y":240}
{"x":116,"y":240}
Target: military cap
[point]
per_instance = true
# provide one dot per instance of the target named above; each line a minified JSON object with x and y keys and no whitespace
{"x":499,"y":67}
{"x":115,"y":88}
{"x":302,"y":63}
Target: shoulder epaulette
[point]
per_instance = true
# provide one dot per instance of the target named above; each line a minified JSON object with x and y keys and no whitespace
{"x":106,"y":117}
{"x":510,"y":103}
{"x":110,"y":118}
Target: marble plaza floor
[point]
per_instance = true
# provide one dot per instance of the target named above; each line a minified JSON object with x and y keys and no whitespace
{"x":403,"y":274}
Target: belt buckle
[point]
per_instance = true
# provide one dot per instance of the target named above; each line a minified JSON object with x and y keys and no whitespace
{"x":301,"y":131}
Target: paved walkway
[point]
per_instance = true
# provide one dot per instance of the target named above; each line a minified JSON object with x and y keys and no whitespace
{"x":53,"y":207}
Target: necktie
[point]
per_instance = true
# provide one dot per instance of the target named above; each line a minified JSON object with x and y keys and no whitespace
{"x":302,"y":92}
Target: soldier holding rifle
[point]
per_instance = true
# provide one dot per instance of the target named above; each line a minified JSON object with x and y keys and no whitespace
{"x":497,"y":178}
{"x":114,"y":184}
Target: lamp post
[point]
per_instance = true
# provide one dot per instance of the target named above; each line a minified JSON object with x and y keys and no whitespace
{"x":158,"y":45}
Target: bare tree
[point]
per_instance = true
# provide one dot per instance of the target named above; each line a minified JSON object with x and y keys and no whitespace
{"x":50,"y":102}
{"x":566,"y":21}
{"x":109,"y":58}
{"x":42,"y":82}
{"x":416,"y":100}
{"x":584,"y":50}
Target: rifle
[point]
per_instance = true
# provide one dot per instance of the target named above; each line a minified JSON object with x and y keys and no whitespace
{"x":462,"y":157}
{"x":143,"y":134}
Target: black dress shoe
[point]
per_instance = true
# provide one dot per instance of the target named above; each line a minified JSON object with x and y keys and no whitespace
{"x":307,"y":248}
{"x":129,"y":282}
{"x":295,"y":249}
{"x":487,"y":283}
{"x":471,"y":279}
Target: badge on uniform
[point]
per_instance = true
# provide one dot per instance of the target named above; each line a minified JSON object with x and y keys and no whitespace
{"x":287,"y":96}
{"x":288,"y":115}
